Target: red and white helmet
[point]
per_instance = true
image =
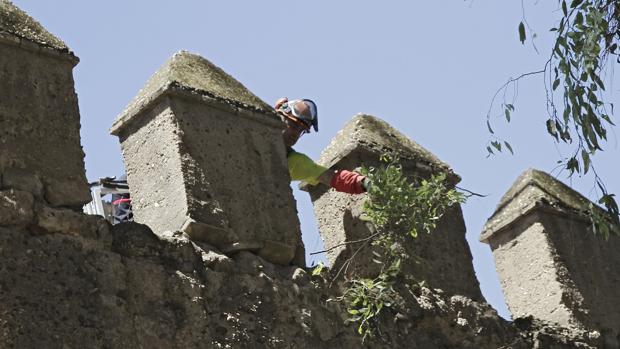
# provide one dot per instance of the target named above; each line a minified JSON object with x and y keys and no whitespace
{"x":303,"y":110}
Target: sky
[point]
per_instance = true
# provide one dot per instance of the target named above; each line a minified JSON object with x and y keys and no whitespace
{"x":429,"y":68}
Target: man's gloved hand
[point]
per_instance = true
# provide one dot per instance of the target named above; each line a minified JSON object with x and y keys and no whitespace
{"x":348,"y":182}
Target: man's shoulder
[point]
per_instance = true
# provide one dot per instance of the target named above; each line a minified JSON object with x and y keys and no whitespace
{"x":292,"y":152}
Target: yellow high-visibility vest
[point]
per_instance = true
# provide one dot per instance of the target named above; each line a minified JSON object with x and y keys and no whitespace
{"x":302,"y":168}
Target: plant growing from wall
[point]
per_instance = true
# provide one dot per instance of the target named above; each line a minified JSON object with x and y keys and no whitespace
{"x":399,"y":209}
{"x":366,"y":298}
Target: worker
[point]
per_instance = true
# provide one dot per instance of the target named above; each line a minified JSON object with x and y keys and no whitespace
{"x":121,"y":202}
{"x":299,"y":116}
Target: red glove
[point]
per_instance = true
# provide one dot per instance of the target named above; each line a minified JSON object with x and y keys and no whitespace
{"x":347,"y":182}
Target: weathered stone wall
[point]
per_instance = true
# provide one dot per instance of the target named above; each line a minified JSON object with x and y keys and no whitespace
{"x":550,"y":263}
{"x":40,"y":148}
{"x":70,"y":280}
{"x":589,"y":266}
{"x":524,"y":260}
{"x":240,"y":162}
{"x":154,"y":170}
{"x":443,"y":258}
{"x":212,"y":166}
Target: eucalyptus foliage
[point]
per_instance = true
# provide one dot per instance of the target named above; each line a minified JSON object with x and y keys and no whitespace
{"x":399,"y":209}
{"x":398,"y":205}
{"x":366,"y":298}
{"x":587,"y":37}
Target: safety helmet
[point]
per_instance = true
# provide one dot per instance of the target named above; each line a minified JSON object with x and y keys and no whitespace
{"x":304,"y":110}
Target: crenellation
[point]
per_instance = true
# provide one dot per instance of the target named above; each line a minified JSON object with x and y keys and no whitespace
{"x":550,"y":263}
{"x":186,"y":125}
{"x":362,"y":142}
{"x":39,"y":116}
{"x":219,"y":262}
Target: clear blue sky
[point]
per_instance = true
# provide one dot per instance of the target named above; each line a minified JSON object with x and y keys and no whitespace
{"x":429,"y":68}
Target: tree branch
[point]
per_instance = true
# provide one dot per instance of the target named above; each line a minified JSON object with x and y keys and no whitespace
{"x":347,"y":243}
{"x":471,"y":193}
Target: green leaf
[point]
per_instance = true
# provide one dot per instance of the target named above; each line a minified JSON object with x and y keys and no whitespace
{"x":578,"y":18}
{"x":497,"y":145}
{"x":507,"y":113}
{"x":586,"y":161}
{"x":318,"y":269}
{"x":556,"y":83}
{"x":566,"y":114}
{"x":572,"y":165}
{"x":509,"y":147}
{"x":522,"y":33}
{"x":607,"y":118}
{"x":575,"y":3}
{"x":489,"y":127}
{"x":551,"y":129}
{"x":564,"y":9}
{"x":598,"y":81}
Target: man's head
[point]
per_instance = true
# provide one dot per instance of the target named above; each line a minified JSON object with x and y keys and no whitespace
{"x":298,"y":115}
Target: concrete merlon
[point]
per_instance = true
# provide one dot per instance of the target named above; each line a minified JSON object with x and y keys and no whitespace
{"x":199,"y":127}
{"x":41,"y":150}
{"x":535,"y":190}
{"x":361,"y":142}
{"x":134,"y":111}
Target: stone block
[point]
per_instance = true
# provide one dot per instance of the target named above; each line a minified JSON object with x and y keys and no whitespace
{"x":21,"y":179}
{"x":16,"y":207}
{"x":212,"y":259}
{"x":132,"y":239}
{"x":550,"y":263}
{"x":445,"y":260}
{"x":39,"y":116}
{"x":204,"y":155}
{"x":66,"y":221}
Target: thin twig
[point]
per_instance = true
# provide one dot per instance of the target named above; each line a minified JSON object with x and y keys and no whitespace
{"x":471,"y":192}
{"x":346,"y":263}
{"x":511,"y":80}
{"x":346,"y":243}
{"x":528,"y":27}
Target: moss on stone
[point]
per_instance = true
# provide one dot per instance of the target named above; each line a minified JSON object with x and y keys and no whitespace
{"x":193,"y":72}
{"x":556,"y":192}
{"x":376,"y":135}
{"x":535,"y":189}
{"x":18,"y":23}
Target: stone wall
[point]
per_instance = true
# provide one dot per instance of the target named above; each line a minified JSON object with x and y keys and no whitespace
{"x":126,"y":287}
{"x":40,"y":148}
{"x":551,"y":265}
